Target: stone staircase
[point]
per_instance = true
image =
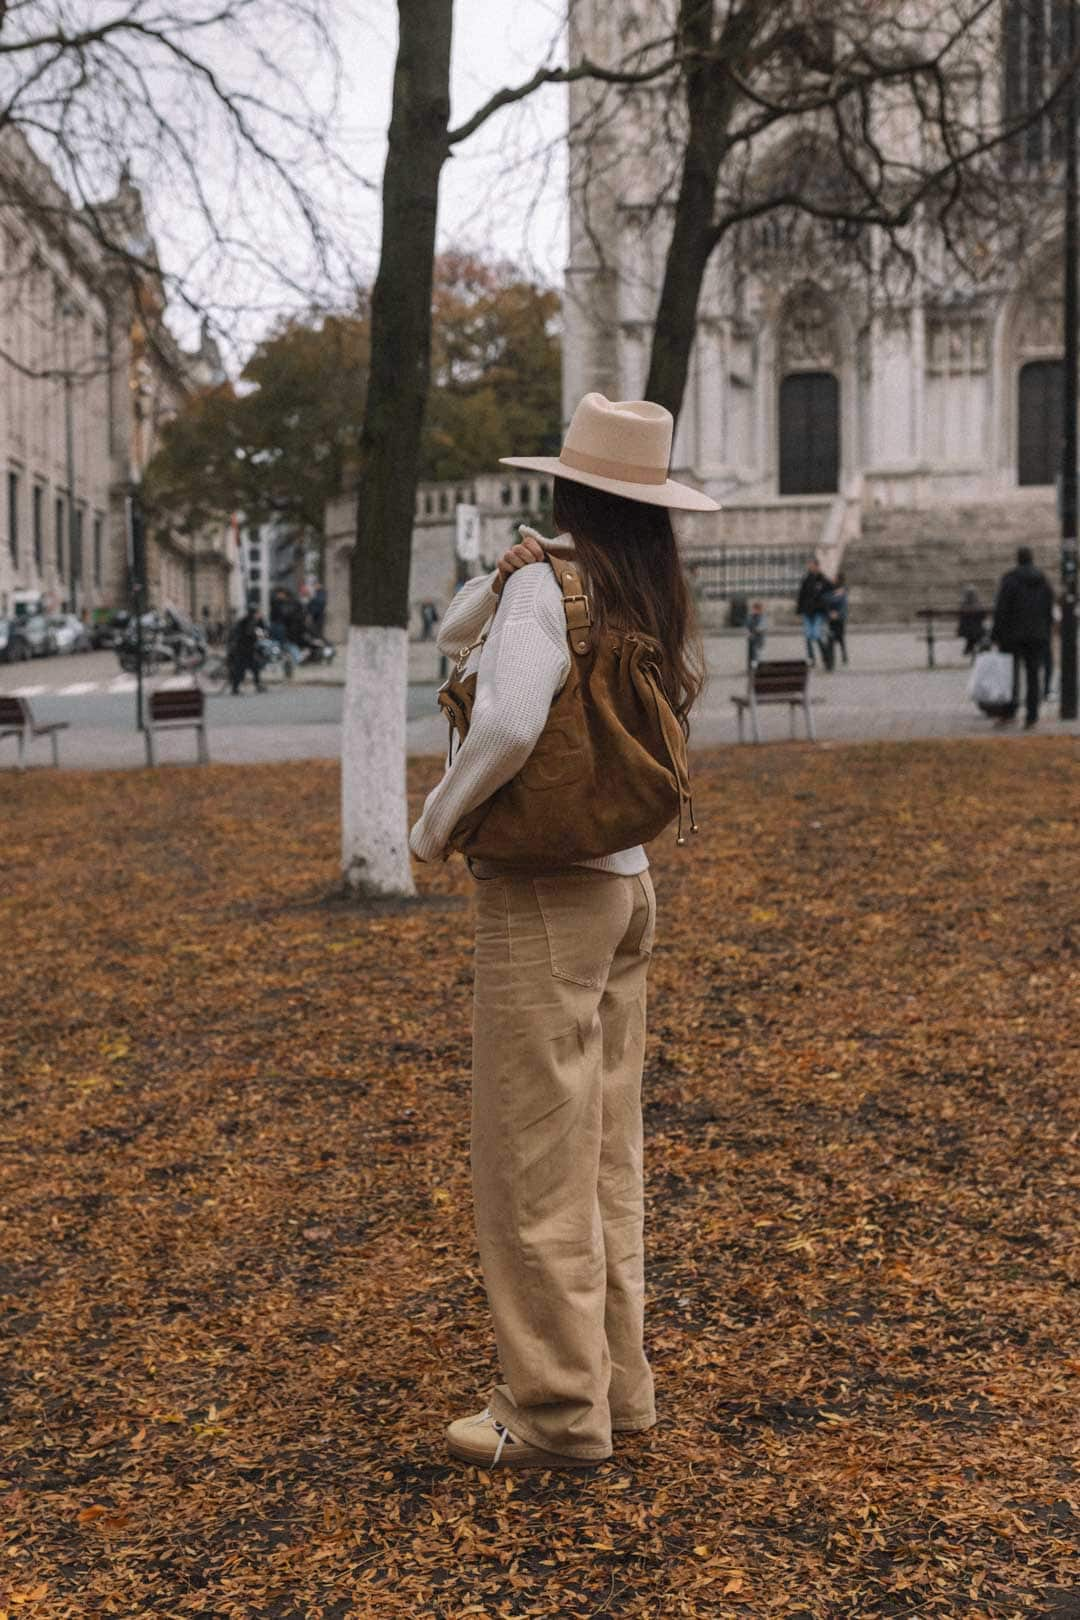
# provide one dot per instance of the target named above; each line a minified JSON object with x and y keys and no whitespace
{"x":908,"y":559}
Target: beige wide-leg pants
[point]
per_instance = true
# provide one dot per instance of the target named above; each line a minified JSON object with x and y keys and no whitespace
{"x":558,"y":1043}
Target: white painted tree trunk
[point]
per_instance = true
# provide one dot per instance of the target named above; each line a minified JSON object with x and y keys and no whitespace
{"x":374,"y":813}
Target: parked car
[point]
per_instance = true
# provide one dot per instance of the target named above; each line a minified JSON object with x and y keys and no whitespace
{"x":69,"y":634}
{"x":39,"y":637}
{"x":13,"y":644}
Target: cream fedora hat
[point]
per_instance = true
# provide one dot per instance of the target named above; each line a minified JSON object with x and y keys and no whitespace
{"x":623,"y":446}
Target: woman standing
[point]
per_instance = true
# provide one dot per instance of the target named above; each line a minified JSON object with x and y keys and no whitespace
{"x":562,"y":954}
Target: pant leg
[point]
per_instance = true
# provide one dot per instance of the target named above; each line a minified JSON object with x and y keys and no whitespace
{"x":1033,"y":669}
{"x":544,"y":948}
{"x":622,"y":1199}
{"x":808,"y":635}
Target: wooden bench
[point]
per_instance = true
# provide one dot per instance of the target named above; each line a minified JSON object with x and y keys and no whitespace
{"x":951,"y":614}
{"x":16,"y":720}
{"x":175,"y":710}
{"x":777,"y":680}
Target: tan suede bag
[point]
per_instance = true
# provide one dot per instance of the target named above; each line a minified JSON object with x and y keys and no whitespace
{"x":609,"y":769}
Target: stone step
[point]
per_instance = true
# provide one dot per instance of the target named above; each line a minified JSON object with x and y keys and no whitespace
{"x":905,"y":560}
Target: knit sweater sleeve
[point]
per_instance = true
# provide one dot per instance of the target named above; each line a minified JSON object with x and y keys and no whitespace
{"x":523,"y":664}
{"x":466,"y":615}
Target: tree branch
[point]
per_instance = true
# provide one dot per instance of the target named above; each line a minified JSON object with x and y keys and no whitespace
{"x":565,"y":75}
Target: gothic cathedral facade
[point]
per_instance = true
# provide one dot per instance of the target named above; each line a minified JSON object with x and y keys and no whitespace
{"x":814,"y":380}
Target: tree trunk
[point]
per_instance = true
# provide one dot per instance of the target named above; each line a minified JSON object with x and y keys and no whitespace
{"x":710,"y":99}
{"x":375,"y":852}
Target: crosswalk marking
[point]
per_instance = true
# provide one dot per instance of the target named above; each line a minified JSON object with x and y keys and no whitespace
{"x":117,"y":686}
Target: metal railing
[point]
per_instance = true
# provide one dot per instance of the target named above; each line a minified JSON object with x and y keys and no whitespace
{"x":717,"y":576}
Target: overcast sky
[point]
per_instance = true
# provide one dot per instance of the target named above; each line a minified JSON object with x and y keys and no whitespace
{"x":505,"y":187}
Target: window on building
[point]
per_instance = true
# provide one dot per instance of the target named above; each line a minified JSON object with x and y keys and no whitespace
{"x":506,"y":495}
{"x":99,"y":548}
{"x":525,"y":495}
{"x":13,"y":514}
{"x":444,"y":502}
{"x":545,"y":494}
{"x":1035,"y":44}
{"x":39,"y":527}
{"x":58,"y":522}
{"x":429,"y":504}
{"x":77,"y":546}
{"x":1040,"y":415}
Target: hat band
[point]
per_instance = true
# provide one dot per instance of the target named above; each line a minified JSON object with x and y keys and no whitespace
{"x":624,"y":471}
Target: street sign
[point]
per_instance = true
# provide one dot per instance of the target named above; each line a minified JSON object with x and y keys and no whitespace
{"x":468,"y":533}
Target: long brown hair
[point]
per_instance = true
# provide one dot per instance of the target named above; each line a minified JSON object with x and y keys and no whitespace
{"x":630,"y":558}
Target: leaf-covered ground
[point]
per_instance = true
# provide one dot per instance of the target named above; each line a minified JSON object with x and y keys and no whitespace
{"x":239,"y":1297}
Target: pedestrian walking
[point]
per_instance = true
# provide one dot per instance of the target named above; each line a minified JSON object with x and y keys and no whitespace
{"x":563,"y":939}
{"x":836,"y":607}
{"x":1023,"y":621}
{"x":317,"y":611}
{"x":756,"y":628}
{"x":286,"y":622}
{"x":971,"y":623}
{"x":242,"y":650}
{"x":811,"y":605}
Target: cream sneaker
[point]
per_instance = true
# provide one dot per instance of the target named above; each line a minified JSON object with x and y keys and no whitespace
{"x":486,"y":1443}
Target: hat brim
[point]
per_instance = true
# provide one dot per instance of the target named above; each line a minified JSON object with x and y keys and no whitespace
{"x":679,"y":497}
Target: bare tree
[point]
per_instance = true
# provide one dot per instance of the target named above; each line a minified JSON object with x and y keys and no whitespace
{"x":375,"y":854}
{"x":209,"y":103}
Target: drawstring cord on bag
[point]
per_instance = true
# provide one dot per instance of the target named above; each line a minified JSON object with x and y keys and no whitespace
{"x":681,"y":775}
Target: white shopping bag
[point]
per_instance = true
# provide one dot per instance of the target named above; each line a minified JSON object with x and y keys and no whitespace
{"x":991,"y":683}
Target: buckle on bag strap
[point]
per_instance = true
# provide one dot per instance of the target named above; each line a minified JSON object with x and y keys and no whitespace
{"x":575,"y":604}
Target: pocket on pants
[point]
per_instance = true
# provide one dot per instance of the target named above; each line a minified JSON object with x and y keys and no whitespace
{"x":574,"y":914}
{"x":644,"y":945}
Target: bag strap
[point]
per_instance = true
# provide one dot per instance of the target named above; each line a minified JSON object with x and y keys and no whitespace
{"x":575,"y":602}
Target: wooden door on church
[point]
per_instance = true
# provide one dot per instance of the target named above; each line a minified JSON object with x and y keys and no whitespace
{"x":1040,"y":421}
{"x":809,"y":433}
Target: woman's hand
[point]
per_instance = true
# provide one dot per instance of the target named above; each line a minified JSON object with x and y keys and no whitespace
{"x":526,"y":551}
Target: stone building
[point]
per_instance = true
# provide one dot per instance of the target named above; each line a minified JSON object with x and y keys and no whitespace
{"x":502,"y":500}
{"x":89,"y":373}
{"x":910,"y":430}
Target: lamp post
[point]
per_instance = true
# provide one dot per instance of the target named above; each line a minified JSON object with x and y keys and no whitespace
{"x":136,"y":556}
{"x":1072,"y":342}
{"x":68,"y":312}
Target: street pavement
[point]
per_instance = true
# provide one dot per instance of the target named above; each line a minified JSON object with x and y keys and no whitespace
{"x":885,"y":693}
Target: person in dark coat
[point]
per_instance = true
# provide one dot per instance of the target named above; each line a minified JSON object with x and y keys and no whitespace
{"x":243,"y":650}
{"x":812,"y":603}
{"x":971,"y":623}
{"x":1023,"y":616}
{"x":836,"y":602}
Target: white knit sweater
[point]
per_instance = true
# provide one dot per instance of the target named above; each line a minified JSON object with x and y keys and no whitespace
{"x":522,"y":665}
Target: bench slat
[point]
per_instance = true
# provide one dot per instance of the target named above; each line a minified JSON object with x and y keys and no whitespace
{"x":185,"y":704}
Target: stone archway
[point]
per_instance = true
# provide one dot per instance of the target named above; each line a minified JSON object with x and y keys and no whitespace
{"x":809,"y":403}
